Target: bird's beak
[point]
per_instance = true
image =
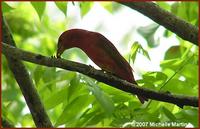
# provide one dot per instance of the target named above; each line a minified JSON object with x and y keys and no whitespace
{"x":60,"y":50}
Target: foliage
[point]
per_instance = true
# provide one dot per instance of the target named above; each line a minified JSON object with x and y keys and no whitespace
{"x":74,"y":100}
{"x":148,"y":33}
{"x":137,"y":48}
{"x":62,"y":6}
{"x":39,"y":8}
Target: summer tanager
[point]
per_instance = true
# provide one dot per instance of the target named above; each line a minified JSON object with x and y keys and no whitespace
{"x":100,"y":50}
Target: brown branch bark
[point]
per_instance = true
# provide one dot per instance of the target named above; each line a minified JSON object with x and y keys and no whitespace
{"x":182,"y":28}
{"x":99,"y":75}
{"x":25,"y":83}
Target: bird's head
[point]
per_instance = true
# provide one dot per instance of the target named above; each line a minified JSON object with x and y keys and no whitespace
{"x":69,"y":39}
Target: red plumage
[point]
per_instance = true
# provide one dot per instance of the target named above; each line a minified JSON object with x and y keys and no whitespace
{"x":100,"y":50}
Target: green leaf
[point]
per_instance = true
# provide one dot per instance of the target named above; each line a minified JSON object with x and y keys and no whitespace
{"x":174,"y":7}
{"x":8,"y":114}
{"x":62,"y":6}
{"x":172,"y":63}
{"x":167,"y":33}
{"x":177,"y":86}
{"x":74,"y":85}
{"x":145,"y":53}
{"x":155,"y":77}
{"x":148,"y":33}
{"x":74,"y":110}
{"x":56,"y":98}
{"x":186,"y":10}
{"x":192,"y":116}
{"x":50,"y":76}
{"x":75,"y":53}
{"x":104,"y":100}
{"x":144,"y":115}
{"x":38,"y":73}
{"x":39,"y":8}
{"x":174,"y":52}
{"x":73,"y":3}
{"x":189,"y":115}
{"x":164,"y":5}
{"x":136,"y":47}
{"x":118,"y":96}
{"x":85,"y":7}
{"x":27,"y":121}
{"x":95,"y":118}
{"x":190,"y":72}
{"x":76,"y":88}
{"x":65,"y":75}
{"x":6,"y":7}
{"x":180,"y":10}
{"x":9,"y":95}
{"x":108,"y":6}
{"x":168,"y":114}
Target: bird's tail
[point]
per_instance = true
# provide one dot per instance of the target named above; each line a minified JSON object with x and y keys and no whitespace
{"x":142,"y":99}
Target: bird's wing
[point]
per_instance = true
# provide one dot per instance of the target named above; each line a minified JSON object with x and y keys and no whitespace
{"x":113,"y":52}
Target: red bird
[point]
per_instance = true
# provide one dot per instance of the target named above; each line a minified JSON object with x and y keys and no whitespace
{"x":100,"y":50}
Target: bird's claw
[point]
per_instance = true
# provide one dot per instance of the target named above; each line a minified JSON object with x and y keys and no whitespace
{"x":54,"y":56}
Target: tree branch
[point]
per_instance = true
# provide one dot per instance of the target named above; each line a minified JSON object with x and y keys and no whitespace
{"x":25,"y":83}
{"x":99,"y":75}
{"x":173,"y":23}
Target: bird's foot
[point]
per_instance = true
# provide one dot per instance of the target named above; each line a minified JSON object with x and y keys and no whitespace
{"x":54,"y":56}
